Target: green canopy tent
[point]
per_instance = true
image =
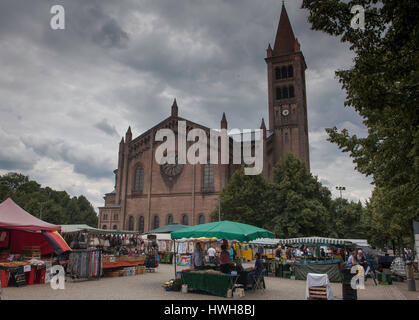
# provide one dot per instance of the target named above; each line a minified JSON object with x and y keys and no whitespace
{"x":222,"y":230}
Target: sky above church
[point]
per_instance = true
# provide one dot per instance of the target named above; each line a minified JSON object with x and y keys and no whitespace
{"x":68,"y":96}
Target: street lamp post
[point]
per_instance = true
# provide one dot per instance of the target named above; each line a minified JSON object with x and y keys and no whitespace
{"x":219,"y":208}
{"x":340,"y":188}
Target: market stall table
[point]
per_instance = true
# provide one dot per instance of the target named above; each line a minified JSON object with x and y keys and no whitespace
{"x":329,"y":267}
{"x":214,"y":283}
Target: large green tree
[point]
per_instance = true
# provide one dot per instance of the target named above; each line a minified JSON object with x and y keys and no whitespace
{"x":247,"y":199}
{"x":383,"y":87}
{"x":300,"y":201}
{"x":346,"y":220}
{"x":56,"y":207}
{"x":295,"y":204}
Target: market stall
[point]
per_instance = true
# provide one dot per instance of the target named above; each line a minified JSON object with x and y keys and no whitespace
{"x":28,"y":246}
{"x":329,"y":263}
{"x":213,"y":281}
{"x":98,"y":252}
{"x":164,"y":241}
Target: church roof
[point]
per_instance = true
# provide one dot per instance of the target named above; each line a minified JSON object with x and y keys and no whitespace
{"x":285,"y":39}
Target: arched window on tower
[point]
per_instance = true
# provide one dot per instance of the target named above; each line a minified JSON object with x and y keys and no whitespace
{"x":291,"y":89}
{"x":278,"y":93}
{"x":131,"y":223}
{"x":290,"y":71}
{"x":156,"y":222}
{"x":170,"y":219}
{"x":201,"y":219}
{"x":284,"y":72}
{"x":139,"y":179}
{"x":284,"y":92}
{"x":277,"y":73}
{"x":141,"y":225}
{"x":185,"y":220}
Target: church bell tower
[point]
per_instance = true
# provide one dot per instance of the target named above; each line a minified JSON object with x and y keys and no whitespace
{"x":287,"y":94}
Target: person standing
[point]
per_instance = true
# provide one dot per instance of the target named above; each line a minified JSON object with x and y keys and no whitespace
{"x":198,"y":256}
{"x":211,"y":254}
{"x":224,"y":260}
{"x":278,"y":253}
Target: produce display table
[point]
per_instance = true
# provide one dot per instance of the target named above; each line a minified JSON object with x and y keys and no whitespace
{"x":21,"y":273}
{"x":118,"y":264}
{"x":214,"y":283}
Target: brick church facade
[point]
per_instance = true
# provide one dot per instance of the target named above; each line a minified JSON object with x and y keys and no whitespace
{"x":148,"y":195}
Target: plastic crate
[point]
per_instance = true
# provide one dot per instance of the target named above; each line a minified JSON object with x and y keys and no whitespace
{"x":4,"y":278}
{"x":30,"y":277}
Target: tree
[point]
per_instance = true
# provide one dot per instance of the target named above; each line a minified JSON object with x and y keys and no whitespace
{"x":294,"y":205}
{"x":300,"y":201}
{"x":246,"y":199}
{"x":57,"y":206}
{"x":383,"y":87}
{"x":347,"y":219}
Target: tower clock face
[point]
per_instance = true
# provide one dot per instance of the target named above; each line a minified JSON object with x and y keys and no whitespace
{"x":285,"y":112}
{"x":171,"y":170}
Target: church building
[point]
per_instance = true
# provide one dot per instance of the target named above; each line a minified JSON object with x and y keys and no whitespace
{"x":148,"y":195}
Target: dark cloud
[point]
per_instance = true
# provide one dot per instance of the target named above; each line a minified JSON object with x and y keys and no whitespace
{"x":84,"y":161}
{"x":111,"y":35}
{"x":106,"y":127}
{"x":125,"y":61}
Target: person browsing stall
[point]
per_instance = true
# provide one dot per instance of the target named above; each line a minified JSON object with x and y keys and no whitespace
{"x":224,"y":260}
{"x":211,"y":254}
{"x":198,"y":256}
{"x":257,"y":269}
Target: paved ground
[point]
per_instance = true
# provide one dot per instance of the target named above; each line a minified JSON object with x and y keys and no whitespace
{"x":149,"y":287}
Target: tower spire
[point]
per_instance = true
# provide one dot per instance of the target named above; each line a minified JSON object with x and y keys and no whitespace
{"x":224,"y":121}
{"x":175,"y":108}
{"x":285,"y":39}
{"x":128,"y":135}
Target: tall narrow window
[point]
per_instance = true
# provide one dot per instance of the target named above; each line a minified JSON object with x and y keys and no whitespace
{"x":286,"y":137}
{"x":285,"y":92}
{"x":277,"y":73}
{"x":169,"y":219}
{"x":290,"y":71}
{"x":284,"y":72}
{"x":291,"y":92}
{"x":141,"y":225}
{"x":208,"y":176}
{"x":278,"y":93}
{"x":156,"y":222}
{"x":201,"y":219}
{"x":139,"y":179}
{"x":185,"y":220}
{"x":131,"y":223}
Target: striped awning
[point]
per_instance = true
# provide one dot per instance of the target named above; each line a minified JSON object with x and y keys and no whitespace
{"x":317,"y":241}
{"x":265,"y":242}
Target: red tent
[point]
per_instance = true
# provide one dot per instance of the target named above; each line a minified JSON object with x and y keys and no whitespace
{"x":15,"y":218}
{"x":25,"y":229}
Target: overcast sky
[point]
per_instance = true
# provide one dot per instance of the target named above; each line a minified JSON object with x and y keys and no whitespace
{"x":68,"y":96}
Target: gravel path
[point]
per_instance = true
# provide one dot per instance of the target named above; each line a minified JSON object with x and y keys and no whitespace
{"x":149,"y":287}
